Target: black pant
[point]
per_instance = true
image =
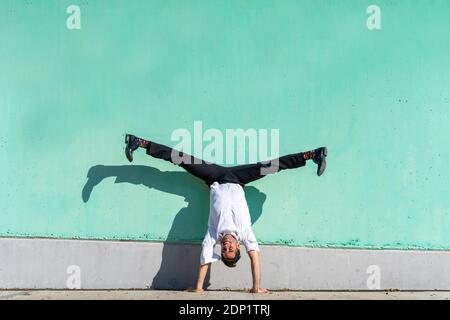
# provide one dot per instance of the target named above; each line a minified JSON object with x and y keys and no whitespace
{"x":210,"y":172}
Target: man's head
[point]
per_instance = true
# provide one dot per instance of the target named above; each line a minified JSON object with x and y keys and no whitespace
{"x":230,"y":250}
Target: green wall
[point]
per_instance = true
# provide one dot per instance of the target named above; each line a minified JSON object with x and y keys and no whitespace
{"x":378,"y":99}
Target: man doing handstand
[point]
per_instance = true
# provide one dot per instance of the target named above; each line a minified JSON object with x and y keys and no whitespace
{"x":229,"y":218}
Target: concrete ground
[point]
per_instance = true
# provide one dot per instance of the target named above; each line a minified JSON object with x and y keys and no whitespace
{"x":219,"y":295}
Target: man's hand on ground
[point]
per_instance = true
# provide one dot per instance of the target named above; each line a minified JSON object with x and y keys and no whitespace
{"x":259,"y":290}
{"x":195,"y":290}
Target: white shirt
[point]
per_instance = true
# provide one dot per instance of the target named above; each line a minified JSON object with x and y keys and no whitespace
{"x":228,"y":214}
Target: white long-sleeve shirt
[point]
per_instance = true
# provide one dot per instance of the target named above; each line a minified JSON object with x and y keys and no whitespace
{"x":228,"y":214}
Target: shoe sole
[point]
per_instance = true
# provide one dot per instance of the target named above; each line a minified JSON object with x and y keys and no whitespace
{"x":128,"y":155}
{"x":323,"y":165}
{"x":324,"y":162}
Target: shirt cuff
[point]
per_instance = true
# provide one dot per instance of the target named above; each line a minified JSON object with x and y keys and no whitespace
{"x":204,"y":260}
{"x":252,"y":246}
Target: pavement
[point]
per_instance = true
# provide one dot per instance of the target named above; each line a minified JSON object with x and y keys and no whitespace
{"x":218,"y":295}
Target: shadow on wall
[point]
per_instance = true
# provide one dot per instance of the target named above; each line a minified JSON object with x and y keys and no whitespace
{"x":179,"y":264}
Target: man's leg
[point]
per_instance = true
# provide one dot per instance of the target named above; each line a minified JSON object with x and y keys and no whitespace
{"x":206,"y":171}
{"x":251,"y":172}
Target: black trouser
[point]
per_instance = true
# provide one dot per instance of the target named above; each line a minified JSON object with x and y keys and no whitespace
{"x":210,"y":172}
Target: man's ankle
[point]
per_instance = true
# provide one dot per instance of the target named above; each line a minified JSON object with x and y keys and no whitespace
{"x":143,"y":143}
{"x":308,"y":155}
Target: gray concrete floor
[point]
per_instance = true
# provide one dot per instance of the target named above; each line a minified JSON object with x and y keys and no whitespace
{"x":219,"y":295}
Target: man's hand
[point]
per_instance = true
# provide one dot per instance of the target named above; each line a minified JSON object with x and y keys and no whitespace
{"x":195,"y":290}
{"x":201,"y":277}
{"x":259,"y":290}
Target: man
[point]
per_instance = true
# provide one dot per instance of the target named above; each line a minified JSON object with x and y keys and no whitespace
{"x":229,"y":218}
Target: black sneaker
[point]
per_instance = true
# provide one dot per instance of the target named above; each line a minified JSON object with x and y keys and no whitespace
{"x":132,"y":144}
{"x":320,"y":158}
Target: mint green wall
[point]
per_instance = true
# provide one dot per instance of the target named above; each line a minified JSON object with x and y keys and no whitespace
{"x":378,"y":99}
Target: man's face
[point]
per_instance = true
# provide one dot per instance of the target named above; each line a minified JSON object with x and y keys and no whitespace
{"x":229,"y":246}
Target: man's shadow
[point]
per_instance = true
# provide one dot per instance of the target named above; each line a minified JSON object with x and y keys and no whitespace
{"x":179,"y":265}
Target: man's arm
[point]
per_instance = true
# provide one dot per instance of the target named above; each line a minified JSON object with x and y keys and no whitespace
{"x":206,"y":257}
{"x":202,"y":271}
{"x":256,"y":272}
{"x":201,"y":276}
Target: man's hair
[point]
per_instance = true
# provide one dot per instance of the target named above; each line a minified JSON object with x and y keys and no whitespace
{"x":232,"y":262}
